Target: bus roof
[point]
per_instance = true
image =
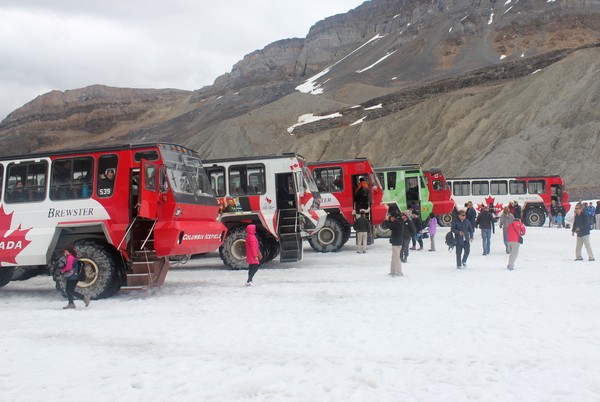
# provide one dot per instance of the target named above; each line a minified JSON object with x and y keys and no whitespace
{"x":118,"y":147}
{"x":252,"y":158}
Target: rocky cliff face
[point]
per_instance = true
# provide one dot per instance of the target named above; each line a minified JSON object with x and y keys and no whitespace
{"x":479,"y":87}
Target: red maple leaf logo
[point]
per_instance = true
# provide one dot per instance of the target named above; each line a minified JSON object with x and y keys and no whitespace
{"x":11,"y":244}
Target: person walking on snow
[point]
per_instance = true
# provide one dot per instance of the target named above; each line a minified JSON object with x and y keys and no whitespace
{"x":69,"y":274}
{"x":581,"y":227}
{"x":463,"y":233}
{"x":506,"y":218}
{"x":253,"y":255}
{"x":485,"y":221}
{"x":515,"y":231}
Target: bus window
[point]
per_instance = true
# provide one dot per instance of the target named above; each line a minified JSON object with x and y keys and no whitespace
{"x":498,"y":187}
{"x":436,"y":185}
{"x":536,"y":187}
{"x":26,"y":182}
{"x":150,"y":177}
{"x":391,"y":180}
{"x":480,"y":188}
{"x":256,"y":179}
{"x":329,"y":179}
{"x":71,"y":179}
{"x":107,"y":172}
{"x":517,"y":187}
{"x":236,"y":186}
{"x":217,"y":180}
{"x":461,"y":188}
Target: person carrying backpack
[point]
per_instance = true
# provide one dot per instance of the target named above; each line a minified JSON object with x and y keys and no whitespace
{"x":70,"y":274}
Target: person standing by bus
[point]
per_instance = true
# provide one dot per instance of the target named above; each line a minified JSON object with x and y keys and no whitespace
{"x":515,"y":232}
{"x":463,"y":233}
{"x":581,"y":227}
{"x":597,"y":217}
{"x":362,"y":227}
{"x":69,"y":274}
{"x":253,"y":255}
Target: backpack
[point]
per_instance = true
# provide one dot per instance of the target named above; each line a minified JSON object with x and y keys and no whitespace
{"x":450,"y":241}
{"x":81,"y":276}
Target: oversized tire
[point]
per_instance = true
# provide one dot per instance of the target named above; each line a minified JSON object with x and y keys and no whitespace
{"x":382,"y":232}
{"x":534,"y":217}
{"x":445,"y":220}
{"x":272,"y":250}
{"x":233,"y":250}
{"x":6,"y":274}
{"x":347,"y":231}
{"x":103,"y":266}
{"x":22,"y":273}
{"x":329,"y":238}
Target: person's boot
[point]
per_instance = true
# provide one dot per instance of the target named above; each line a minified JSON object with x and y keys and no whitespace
{"x":69,"y":306}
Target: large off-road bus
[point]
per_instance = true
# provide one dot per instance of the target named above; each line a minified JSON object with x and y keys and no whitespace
{"x":274,"y":192}
{"x":125,"y":208}
{"x":533,"y":193}
{"x":404,"y":187}
{"x":339,"y":183}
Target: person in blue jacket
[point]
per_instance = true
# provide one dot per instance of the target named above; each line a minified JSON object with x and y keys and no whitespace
{"x":463,"y":234}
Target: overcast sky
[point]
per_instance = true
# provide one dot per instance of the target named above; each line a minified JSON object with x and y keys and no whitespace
{"x":186,"y":44}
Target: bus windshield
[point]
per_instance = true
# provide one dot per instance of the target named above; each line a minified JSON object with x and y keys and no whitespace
{"x":185,"y":174}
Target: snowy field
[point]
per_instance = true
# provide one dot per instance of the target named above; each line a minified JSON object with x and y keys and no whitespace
{"x":334,"y":327}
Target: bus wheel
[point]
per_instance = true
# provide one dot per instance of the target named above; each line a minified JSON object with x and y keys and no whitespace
{"x":102,"y":265}
{"x":382,"y":232}
{"x":445,"y":220}
{"x":233,"y":250}
{"x":272,"y":247}
{"x":6,"y":274}
{"x":329,"y":238}
{"x":534,"y":217}
{"x":347,"y":232}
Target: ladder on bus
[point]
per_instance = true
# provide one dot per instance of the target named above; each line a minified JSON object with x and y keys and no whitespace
{"x":290,"y":239}
{"x":146,"y":270}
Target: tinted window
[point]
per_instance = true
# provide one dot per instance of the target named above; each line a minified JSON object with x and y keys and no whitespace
{"x":498,"y":187}
{"x":107,"y":175}
{"x":517,"y":187}
{"x":329,"y":180}
{"x":480,"y":188}
{"x":26,"y":182}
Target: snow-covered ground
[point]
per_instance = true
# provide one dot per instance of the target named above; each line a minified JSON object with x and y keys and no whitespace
{"x":334,"y":327}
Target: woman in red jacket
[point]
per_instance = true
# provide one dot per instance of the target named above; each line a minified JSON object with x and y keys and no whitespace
{"x":514,"y":234}
{"x":253,"y":255}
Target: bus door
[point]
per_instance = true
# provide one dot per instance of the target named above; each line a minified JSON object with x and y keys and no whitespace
{"x":148,"y":192}
{"x":413,"y":192}
{"x":556,"y":192}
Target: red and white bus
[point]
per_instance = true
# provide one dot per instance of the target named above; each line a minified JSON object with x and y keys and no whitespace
{"x":533,"y":193}
{"x":274,"y":192}
{"x":125,"y":209}
{"x":338,"y":182}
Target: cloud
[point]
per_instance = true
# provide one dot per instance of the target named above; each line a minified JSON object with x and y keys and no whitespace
{"x":182,"y":44}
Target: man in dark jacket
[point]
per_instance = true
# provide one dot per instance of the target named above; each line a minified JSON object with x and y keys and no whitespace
{"x":409,"y":232}
{"x":485,"y":222}
{"x":471,"y":213}
{"x":581,"y":227}
{"x":463,"y":233}
{"x":517,"y":210}
{"x":397,"y":228}
{"x":418,"y":223}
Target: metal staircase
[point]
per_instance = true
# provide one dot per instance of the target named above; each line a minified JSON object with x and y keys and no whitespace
{"x":146,"y":270}
{"x":290,"y":239}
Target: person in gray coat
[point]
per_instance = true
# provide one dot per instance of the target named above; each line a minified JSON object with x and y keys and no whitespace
{"x":506,"y":218}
